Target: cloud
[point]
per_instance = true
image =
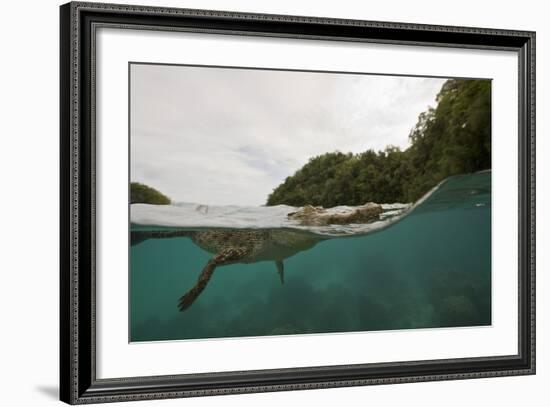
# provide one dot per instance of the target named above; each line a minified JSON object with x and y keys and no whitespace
{"x":230,"y":136}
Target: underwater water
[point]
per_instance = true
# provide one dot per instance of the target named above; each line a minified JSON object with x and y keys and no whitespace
{"x":428,"y":268}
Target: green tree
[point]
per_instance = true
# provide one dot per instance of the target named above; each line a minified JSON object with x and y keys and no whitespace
{"x":452,"y":138}
{"x":140,"y":193}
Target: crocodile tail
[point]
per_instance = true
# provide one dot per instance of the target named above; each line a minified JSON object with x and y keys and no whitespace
{"x":138,"y":236}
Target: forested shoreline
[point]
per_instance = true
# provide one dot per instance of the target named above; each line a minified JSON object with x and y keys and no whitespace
{"x":141,"y":193}
{"x":452,"y":138}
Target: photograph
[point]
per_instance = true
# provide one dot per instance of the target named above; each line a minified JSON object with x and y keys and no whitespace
{"x":286,"y":199}
{"x":274,"y":202}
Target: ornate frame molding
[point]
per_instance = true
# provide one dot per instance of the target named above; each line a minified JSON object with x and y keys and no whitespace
{"x":79,"y":21}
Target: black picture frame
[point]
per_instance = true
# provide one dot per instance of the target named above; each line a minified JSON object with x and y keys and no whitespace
{"x":78,"y":382}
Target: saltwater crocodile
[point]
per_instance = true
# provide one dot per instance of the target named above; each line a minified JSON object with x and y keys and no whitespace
{"x":235,"y":246}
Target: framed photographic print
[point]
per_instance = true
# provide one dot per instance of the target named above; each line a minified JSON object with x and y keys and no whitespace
{"x":256,"y":203}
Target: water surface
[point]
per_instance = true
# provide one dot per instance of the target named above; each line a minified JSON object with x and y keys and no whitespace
{"x":429,"y":267}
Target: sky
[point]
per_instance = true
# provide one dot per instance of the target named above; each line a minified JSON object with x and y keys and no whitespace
{"x":226,"y":136}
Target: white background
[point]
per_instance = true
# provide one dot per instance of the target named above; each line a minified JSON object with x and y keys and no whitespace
{"x":29,"y":208}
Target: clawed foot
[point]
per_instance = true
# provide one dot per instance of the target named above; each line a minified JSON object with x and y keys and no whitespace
{"x":185,"y":301}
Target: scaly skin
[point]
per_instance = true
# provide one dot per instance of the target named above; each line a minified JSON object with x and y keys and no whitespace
{"x":234,"y":246}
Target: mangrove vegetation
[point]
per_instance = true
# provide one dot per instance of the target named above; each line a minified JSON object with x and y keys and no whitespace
{"x":452,"y":138}
{"x":140,"y":193}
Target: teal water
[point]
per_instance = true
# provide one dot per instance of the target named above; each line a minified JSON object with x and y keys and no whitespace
{"x":431,"y":269}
